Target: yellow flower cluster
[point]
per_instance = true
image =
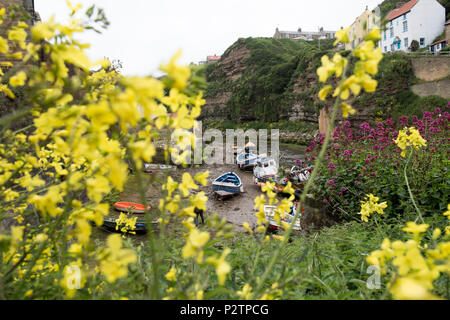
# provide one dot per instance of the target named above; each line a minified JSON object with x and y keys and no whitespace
{"x":415,"y":264}
{"x":114,"y":260}
{"x":125,"y":224}
{"x":370,"y":206}
{"x":369,"y":58}
{"x":405,"y":140}
{"x":86,"y":127}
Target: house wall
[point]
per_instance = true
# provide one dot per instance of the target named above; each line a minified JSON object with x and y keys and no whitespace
{"x":425,"y":20}
{"x":357,"y":31}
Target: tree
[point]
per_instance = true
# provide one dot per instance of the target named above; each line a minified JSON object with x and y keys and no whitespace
{"x":414,"y":46}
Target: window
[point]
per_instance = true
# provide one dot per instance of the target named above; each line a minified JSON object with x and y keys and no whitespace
{"x":406,"y":43}
{"x":404,"y":16}
{"x":422,"y":42}
{"x":405,"y":26}
{"x":392,"y":32}
{"x":385,"y":33}
{"x":385,"y":49}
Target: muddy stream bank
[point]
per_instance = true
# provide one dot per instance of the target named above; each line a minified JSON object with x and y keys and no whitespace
{"x":236,"y":210}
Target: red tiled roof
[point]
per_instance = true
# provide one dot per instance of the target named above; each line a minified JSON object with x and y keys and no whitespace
{"x":439,"y":41}
{"x":402,"y":10}
{"x":213,"y":58}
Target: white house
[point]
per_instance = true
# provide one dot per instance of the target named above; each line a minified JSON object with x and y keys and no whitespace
{"x":420,"y":20}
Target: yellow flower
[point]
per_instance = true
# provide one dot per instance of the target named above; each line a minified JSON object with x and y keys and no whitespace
{"x":245,"y":293}
{"x":222,"y":267}
{"x":74,"y":8}
{"x":171,"y":186}
{"x":410,"y":289}
{"x":371,"y":206}
{"x":194,"y":244}
{"x":247,"y":227}
{"x":436,"y":233}
{"x":259,"y":202}
{"x":342,"y":36}
{"x":187,"y":184}
{"x":115,"y":261}
{"x":373,"y":35}
{"x":4,"y":47}
{"x":323,"y":93}
{"x":18,"y":80}
{"x":202,"y":178}
{"x":447,"y":213}
{"x":199,"y":201}
{"x":171,"y":275}
{"x":326,"y":70}
{"x":415,"y":229}
{"x":347,"y":109}
{"x":179,"y":74}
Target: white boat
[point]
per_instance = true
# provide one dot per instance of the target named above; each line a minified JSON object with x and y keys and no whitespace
{"x":300,"y":175}
{"x":228,"y":184}
{"x":246,"y":160}
{"x":150,"y":167}
{"x":269,"y":212}
{"x":266,"y":169}
{"x":249,"y":148}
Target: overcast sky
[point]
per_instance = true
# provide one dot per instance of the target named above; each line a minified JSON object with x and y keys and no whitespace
{"x":145,"y":33}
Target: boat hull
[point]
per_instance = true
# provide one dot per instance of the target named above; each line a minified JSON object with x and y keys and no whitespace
{"x":228,"y":184}
{"x":269,"y":212}
{"x":130,"y":207}
{"x":109,"y":224}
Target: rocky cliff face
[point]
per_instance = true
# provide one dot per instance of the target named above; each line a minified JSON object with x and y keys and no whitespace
{"x":271,"y":80}
{"x":230,"y":68}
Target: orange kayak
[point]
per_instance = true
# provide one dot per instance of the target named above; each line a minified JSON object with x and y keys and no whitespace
{"x":130,"y":207}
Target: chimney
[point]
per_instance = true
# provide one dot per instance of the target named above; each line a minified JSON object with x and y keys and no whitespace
{"x":299,"y":30}
{"x":321,"y":29}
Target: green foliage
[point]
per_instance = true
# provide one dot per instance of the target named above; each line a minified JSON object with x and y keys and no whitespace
{"x":285,"y":125}
{"x":265,"y":87}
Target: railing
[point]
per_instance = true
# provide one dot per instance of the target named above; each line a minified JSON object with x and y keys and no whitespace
{"x":429,"y":54}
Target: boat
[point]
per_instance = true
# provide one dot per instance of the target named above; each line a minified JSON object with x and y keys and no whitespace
{"x":109,"y":224}
{"x":299,"y":175}
{"x":249,"y":148}
{"x":150,"y":167}
{"x":266,"y":170}
{"x":269,"y":212}
{"x":130,"y":207}
{"x":246,"y":160}
{"x":228,"y":184}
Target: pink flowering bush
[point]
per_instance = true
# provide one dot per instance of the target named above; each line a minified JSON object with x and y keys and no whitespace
{"x":366,"y":160}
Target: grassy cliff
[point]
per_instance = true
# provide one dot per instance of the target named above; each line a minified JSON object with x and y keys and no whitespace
{"x":273,"y":80}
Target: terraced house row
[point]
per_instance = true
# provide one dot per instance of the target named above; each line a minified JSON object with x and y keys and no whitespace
{"x":419,"y":20}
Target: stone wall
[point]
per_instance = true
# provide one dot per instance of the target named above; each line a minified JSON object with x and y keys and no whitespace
{"x":438,"y":88}
{"x":431,"y":69}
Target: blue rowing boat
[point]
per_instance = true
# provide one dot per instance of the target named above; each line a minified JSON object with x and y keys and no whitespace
{"x":246,"y":160}
{"x":228,"y":184}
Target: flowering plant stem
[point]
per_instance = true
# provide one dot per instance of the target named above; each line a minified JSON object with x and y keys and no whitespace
{"x":409,"y":188}
{"x":305,"y":190}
